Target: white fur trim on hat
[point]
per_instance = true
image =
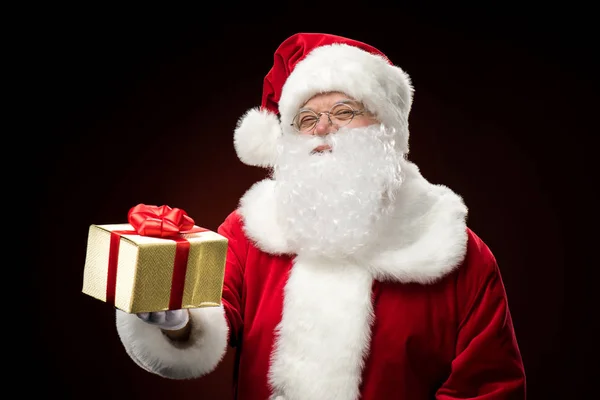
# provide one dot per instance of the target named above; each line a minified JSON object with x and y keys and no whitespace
{"x":384,"y":89}
{"x":256,"y":137}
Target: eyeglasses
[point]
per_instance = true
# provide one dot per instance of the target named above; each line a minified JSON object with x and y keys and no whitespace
{"x":340,"y":114}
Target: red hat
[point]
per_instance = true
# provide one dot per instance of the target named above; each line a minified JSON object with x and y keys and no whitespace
{"x":306,"y":64}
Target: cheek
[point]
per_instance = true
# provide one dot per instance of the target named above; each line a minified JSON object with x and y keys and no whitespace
{"x":357,"y":123}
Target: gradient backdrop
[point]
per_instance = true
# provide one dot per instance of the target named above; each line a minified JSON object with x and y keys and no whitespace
{"x":140,"y":110}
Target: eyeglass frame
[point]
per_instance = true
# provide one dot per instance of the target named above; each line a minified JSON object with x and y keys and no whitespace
{"x":361,"y":111}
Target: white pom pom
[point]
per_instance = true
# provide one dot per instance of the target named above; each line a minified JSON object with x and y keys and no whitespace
{"x":256,"y":137}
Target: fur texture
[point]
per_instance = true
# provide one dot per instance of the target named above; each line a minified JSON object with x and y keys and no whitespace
{"x":324,"y":334}
{"x":424,"y":239}
{"x":255,"y":137}
{"x":257,"y":207}
{"x":153,"y":351}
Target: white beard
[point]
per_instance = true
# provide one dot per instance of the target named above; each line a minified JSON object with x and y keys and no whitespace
{"x":330,"y":204}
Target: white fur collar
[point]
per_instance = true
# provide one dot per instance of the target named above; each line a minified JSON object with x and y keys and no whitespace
{"x":424,"y":240}
{"x":324,"y":335}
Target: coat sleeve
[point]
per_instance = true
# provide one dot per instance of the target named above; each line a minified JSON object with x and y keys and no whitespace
{"x":234,"y":275}
{"x":488,"y":364}
{"x":211,"y":327}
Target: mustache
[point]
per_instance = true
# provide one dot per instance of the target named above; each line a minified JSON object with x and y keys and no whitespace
{"x":314,"y":140}
{"x":345,"y":144}
{"x":304,"y":144}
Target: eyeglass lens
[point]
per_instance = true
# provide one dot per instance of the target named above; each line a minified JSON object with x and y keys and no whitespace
{"x":340,"y":115}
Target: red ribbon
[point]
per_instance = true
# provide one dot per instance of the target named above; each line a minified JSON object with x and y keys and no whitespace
{"x":164,"y":222}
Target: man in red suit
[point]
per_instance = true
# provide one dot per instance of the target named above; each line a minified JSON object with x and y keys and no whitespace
{"x":348,"y":276}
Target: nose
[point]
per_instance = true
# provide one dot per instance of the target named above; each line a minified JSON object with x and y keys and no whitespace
{"x":324,"y":127}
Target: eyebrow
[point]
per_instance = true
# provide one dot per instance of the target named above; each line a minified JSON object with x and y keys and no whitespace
{"x":345,"y":101}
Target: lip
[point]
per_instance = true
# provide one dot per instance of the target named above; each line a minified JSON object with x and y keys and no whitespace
{"x":322,"y":148}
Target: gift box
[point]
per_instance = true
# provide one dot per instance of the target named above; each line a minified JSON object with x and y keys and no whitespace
{"x":158,"y":261}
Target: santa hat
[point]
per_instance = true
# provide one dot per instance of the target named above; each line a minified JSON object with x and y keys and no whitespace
{"x":306,"y":64}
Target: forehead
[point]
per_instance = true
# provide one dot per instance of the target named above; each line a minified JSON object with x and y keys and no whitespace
{"x":326,"y":100}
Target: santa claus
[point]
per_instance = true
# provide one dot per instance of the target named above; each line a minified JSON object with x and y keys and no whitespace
{"x":349,"y":275}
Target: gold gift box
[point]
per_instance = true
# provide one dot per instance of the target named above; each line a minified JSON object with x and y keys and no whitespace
{"x":145,"y":266}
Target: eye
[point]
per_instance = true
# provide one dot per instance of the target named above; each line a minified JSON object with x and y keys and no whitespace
{"x":306,"y":122}
{"x":342,"y":112}
{"x":307,"y":118}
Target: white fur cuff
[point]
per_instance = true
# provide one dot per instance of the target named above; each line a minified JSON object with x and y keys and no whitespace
{"x":153,"y":351}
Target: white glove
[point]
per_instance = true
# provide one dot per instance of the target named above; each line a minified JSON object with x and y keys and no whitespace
{"x":168,"y":320}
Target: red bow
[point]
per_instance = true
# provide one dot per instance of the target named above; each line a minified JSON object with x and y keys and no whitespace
{"x":162,"y":221}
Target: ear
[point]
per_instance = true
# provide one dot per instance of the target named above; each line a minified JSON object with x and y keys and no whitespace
{"x":256,"y":136}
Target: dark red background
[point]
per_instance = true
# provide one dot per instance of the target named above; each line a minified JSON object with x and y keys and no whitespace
{"x":139,"y":110}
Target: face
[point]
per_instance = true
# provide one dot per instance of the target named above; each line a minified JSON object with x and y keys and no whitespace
{"x":340,"y":106}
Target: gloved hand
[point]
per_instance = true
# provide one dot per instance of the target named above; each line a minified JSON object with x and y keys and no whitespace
{"x":168,"y":320}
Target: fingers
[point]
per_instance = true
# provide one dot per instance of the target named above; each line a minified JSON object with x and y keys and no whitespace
{"x":171,"y":319}
{"x":144,"y":316}
{"x":174,"y":317}
{"x":154,"y":318}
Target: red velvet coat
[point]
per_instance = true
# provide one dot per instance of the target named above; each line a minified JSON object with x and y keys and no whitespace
{"x":452,"y":339}
{"x":424,"y":316}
